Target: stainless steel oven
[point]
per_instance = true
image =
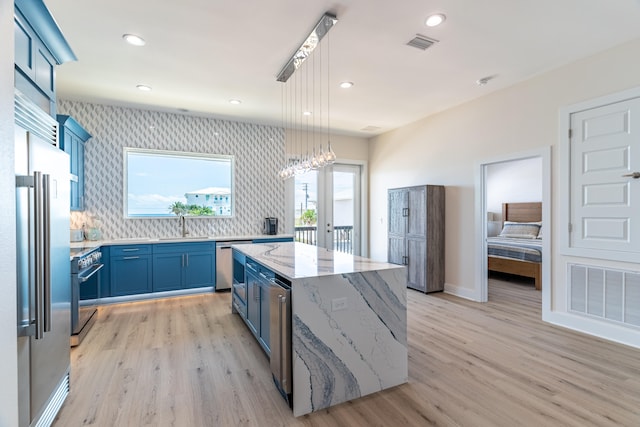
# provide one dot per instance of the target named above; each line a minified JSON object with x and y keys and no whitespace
{"x":85,"y":278}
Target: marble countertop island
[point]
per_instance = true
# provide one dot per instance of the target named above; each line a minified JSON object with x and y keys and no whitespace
{"x":349,"y":322}
{"x":299,"y":260}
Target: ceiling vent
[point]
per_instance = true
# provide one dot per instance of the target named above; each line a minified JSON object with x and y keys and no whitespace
{"x":370,"y":128}
{"x":421,"y":42}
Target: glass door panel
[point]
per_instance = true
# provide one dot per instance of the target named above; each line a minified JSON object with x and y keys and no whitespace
{"x":306,"y":208}
{"x":327,"y":208}
{"x":345,"y":191}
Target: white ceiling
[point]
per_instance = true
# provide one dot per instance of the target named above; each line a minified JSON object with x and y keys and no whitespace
{"x":201,"y":53}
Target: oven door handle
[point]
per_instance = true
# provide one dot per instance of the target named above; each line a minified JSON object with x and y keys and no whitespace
{"x":94,"y":269}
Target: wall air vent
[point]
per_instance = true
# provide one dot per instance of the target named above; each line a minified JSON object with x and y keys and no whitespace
{"x":421,"y":42}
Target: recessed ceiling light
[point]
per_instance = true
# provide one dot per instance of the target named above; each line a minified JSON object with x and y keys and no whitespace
{"x":346,"y":85}
{"x":306,"y":113}
{"x":235,"y":101}
{"x":144,"y":88}
{"x":435,"y":20}
{"x":134,"y":40}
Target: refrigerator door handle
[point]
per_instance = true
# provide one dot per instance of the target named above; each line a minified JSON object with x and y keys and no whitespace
{"x":39,"y":253}
{"x":46,"y":237}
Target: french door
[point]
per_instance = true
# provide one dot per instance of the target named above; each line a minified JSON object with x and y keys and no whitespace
{"x":327,"y":208}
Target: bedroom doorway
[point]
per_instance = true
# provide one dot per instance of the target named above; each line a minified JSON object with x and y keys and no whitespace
{"x":489,"y":217}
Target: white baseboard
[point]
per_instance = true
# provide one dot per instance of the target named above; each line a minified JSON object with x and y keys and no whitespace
{"x":609,"y":331}
{"x":460,"y":291}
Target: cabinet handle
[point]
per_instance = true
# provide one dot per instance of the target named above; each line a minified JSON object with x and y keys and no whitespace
{"x":131,"y":250}
{"x":634,"y":175}
{"x":131,"y":257}
{"x":405,"y":260}
{"x":187,"y":260}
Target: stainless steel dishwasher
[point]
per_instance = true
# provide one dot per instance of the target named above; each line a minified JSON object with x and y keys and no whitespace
{"x":224,"y":264}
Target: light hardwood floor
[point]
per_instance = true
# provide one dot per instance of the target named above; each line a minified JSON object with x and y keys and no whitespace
{"x":189,"y":362}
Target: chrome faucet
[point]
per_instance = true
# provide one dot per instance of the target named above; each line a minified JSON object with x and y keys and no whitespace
{"x":183,"y":226}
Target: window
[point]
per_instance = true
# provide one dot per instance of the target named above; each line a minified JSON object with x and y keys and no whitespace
{"x":170,"y":183}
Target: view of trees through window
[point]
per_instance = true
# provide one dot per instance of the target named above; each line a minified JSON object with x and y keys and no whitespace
{"x":168,"y":184}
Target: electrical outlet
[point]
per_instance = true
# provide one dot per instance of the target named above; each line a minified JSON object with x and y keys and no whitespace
{"x":338,"y":304}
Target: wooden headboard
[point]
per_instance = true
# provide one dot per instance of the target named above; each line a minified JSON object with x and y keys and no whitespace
{"x":522,"y":212}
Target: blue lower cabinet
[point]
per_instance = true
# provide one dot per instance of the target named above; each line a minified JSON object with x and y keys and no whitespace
{"x":130,"y":274}
{"x":200,"y":270}
{"x":167,"y":271}
{"x":258,"y":279}
{"x":253,"y":301}
{"x":183,"y":266}
{"x":273,"y":239}
{"x":264,"y":315}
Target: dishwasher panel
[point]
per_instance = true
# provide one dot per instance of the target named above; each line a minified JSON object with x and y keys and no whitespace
{"x":224,"y":264}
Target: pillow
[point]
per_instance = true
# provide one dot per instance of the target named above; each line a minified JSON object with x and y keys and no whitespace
{"x":521,"y":230}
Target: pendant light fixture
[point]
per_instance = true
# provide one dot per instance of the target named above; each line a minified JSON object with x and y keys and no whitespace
{"x":302,"y":115}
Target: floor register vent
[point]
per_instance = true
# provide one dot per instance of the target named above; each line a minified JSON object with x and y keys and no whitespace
{"x":605,"y":293}
{"x":421,"y":42}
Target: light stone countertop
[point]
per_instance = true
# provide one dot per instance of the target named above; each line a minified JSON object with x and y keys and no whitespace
{"x":299,"y":260}
{"x":92,"y":244}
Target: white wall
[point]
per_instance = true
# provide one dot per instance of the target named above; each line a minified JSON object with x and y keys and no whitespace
{"x":513,"y":182}
{"x":345,"y":147}
{"x":8,"y":315}
{"x":446,"y":148}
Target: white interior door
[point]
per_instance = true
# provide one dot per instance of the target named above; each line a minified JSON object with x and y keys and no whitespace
{"x":605,"y":153}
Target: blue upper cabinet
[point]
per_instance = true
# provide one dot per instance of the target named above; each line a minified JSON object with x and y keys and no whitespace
{"x":39,"y":47}
{"x":72,"y":137}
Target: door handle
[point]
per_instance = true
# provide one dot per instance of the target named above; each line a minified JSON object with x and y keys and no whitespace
{"x":634,"y":175}
{"x":38,"y":225}
{"x":46,"y":235}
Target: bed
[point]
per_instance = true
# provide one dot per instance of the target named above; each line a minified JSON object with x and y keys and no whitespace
{"x":522,"y":257}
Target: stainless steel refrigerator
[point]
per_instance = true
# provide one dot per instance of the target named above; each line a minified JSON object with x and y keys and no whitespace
{"x":43,"y":268}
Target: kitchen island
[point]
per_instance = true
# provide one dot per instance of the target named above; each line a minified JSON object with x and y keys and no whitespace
{"x":348,"y":321}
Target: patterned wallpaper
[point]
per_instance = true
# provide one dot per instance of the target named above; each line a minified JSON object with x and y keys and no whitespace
{"x":258,"y":151}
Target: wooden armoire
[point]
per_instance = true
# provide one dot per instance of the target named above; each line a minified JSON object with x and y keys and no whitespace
{"x":416,"y":235}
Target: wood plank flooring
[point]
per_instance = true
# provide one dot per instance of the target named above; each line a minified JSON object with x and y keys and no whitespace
{"x":189,"y":362}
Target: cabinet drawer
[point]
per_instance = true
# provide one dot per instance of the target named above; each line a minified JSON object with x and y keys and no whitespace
{"x":126,"y":250}
{"x":167,"y":248}
{"x":273,"y":240}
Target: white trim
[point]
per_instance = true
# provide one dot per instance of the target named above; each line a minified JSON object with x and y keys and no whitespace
{"x":595,"y":327}
{"x":564,"y":162}
{"x":460,"y":291}
{"x":481,"y":283}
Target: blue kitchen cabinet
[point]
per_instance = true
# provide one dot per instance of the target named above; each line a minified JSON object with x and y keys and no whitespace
{"x":105,"y":277}
{"x":273,"y":239}
{"x":183,"y":265}
{"x":130,"y":270}
{"x":167,"y":271}
{"x":263,"y":332}
{"x":201,"y":268}
{"x":72,"y":138}
{"x":253,"y":296}
{"x":38,"y":47}
{"x":258,"y":280}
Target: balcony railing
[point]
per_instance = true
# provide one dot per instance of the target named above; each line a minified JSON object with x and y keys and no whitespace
{"x":342,"y":237}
